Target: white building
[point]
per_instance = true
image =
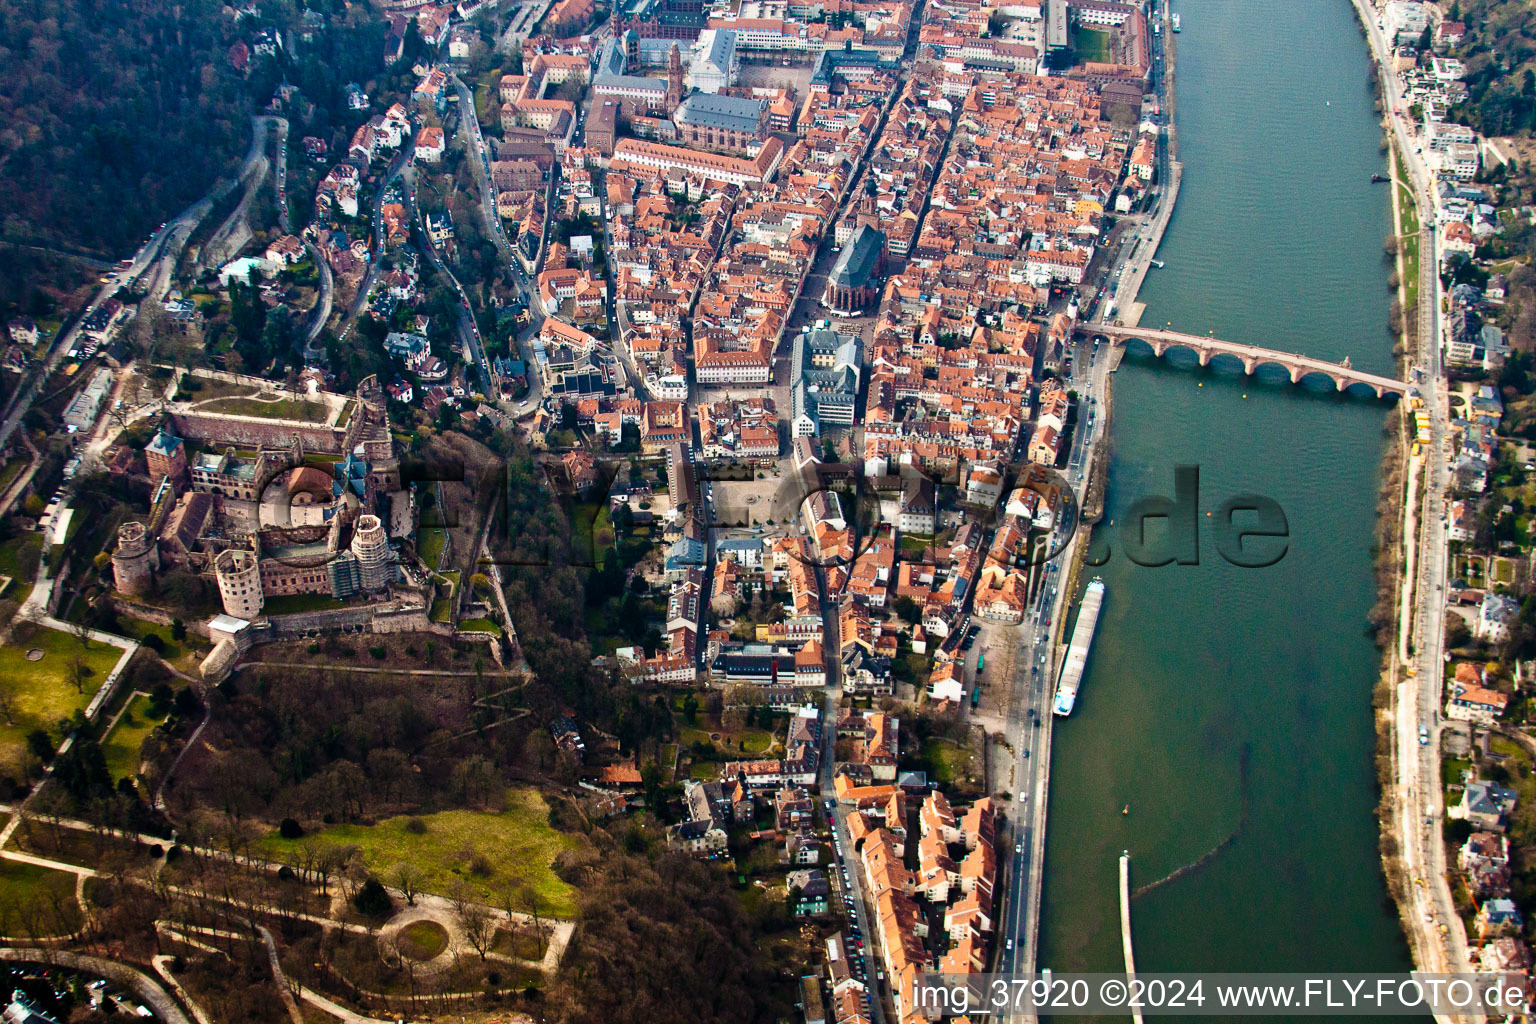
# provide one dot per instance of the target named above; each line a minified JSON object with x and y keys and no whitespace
{"x":1405,"y":20}
{"x":1494,"y":618}
{"x":1441,"y":135}
{"x":1460,"y":160}
{"x":1472,"y":703}
{"x":716,"y":64}
{"x":85,"y":406}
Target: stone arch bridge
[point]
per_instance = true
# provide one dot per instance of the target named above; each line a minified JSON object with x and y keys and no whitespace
{"x":1252,"y":356}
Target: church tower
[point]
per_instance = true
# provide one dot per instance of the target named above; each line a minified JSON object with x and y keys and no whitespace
{"x":674,"y":78}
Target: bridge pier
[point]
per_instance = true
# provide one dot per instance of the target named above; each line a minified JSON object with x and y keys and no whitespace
{"x":1249,"y":365}
{"x":1339,"y":382}
{"x":1159,"y":347}
{"x":1205,"y":356}
{"x":1295,"y":375}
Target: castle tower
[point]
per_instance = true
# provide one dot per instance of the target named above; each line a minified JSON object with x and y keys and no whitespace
{"x":135,"y":560}
{"x":166,"y":458}
{"x":239,"y":576}
{"x":370,"y":545}
{"x":674,"y":78}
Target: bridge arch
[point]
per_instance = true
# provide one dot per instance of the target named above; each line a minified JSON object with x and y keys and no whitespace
{"x":1160,"y":347}
{"x":1218,"y":353}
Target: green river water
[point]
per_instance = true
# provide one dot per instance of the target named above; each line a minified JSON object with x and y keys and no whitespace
{"x":1276,"y":240}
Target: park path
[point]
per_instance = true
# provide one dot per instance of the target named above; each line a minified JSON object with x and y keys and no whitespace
{"x":427,"y":905}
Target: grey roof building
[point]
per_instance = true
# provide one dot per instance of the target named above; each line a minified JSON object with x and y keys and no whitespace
{"x":825,"y":371}
{"x":855,"y":278}
{"x":715,"y":63}
{"x":727,"y":113}
{"x":846,"y":61}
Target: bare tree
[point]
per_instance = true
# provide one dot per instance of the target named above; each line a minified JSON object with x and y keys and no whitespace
{"x":78,"y":672}
{"x":479,"y":927}
{"x":407,"y":877}
{"x":530,"y":897}
{"x":81,"y":632}
{"x":461,"y":896}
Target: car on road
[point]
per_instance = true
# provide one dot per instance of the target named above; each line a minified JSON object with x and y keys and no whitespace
{"x":1026,"y":751}
{"x":1010,"y":945}
{"x":1423,"y":735}
{"x":1018,"y":848}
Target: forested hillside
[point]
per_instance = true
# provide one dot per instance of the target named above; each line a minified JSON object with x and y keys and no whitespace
{"x":1500,"y":55}
{"x":112,"y":116}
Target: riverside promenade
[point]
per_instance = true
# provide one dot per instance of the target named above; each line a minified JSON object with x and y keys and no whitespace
{"x":1136,"y":260}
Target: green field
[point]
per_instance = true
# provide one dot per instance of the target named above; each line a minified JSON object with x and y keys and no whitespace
{"x":281,"y":409}
{"x":430,"y":542}
{"x":142,"y":629}
{"x":1408,"y":241}
{"x":121,"y":746}
{"x":947,"y":761}
{"x":287,"y":604}
{"x":43,"y":691}
{"x":479,"y":626}
{"x":18,"y":560}
{"x":1090,"y":44}
{"x":519,"y":843}
{"x":207,"y":388}
{"x":13,"y":468}
{"x":1451,"y":769}
{"x":757,"y":741}
{"x":27,"y":885}
{"x":422,"y":940}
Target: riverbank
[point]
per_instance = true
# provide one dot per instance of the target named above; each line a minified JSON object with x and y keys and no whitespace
{"x":1408,"y":691}
{"x":1140,"y":251}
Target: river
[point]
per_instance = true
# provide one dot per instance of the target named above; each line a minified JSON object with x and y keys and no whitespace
{"x":1276,"y":240}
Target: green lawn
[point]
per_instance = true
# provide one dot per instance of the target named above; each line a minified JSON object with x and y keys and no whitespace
{"x":602,"y":529}
{"x":177,"y":652}
{"x":915,"y":541}
{"x":121,"y":746}
{"x":13,"y":468}
{"x":18,"y":560}
{"x":1451,"y":769}
{"x":947,"y":761}
{"x":23,"y":885}
{"x":479,"y":626}
{"x":519,"y":842}
{"x":758,"y":741}
{"x":430,"y":543}
{"x":206,"y":388}
{"x":442,"y":610}
{"x":281,"y":409}
{"x":583,"y":517}
{"x":43,"y":691}
{"x":1408,"y":242}
{"x":1090,"y":44}
{"x":287,"y":604}
{"x":422,"y":940}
